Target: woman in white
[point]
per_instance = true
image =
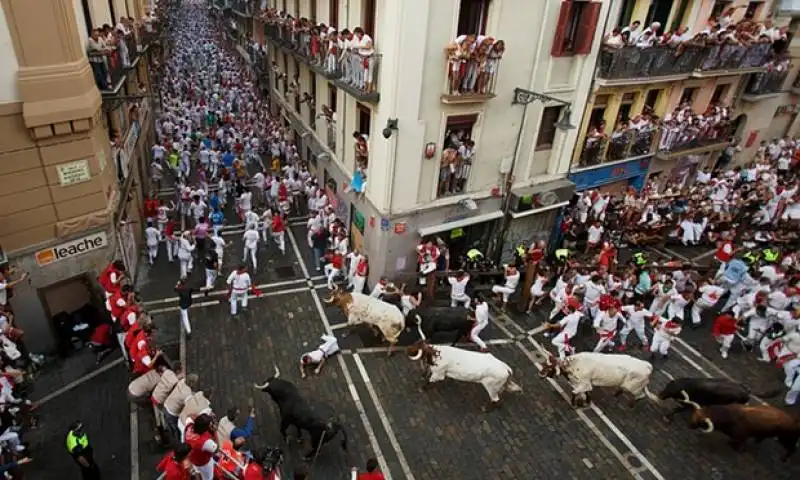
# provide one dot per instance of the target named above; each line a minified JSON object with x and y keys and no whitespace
{"x":152,"y":238}
{"x":185,"y":251}
{"x":251,"y":239}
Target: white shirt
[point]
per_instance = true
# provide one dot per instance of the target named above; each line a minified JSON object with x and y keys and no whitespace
{"x":245,"y":201}
{"x":607,"y":322}
{"x":198,"y":209}
{"x":711,"y":293}
{"x":240,"y":282}
{"x":636,"y":317}
{"x":512,"y":281}
{"x":458,"y":288}
{"x":595,"y":233}
{"x":250,"y":238}
{"x":152,"y":235}
{"x":482,"y":313}
{"x":219,"y":243}
{"x":251,"y":218}
{"x":569,"y":324}
{"x":593,"y":293}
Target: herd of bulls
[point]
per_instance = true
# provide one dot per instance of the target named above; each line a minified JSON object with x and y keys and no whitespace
{"x":716,"y":404}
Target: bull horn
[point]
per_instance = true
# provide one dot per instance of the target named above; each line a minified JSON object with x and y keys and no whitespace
{"x":417,"y":356}
{"x":688,"y":401}
{"x":261,"y":387}
{"x":277,"y":371}
{"x":329,"y":299}
{"x":710,"y":425}
{"x":421,"y":334}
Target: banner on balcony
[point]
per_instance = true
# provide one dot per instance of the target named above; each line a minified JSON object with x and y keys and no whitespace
{"x":612,"y":173}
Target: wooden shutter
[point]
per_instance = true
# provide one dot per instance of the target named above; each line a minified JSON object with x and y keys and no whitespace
{"x":561,"y":29}
{"x":586,"y":27}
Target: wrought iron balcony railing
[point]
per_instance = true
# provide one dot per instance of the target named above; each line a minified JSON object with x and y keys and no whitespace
{"x":635,"y":62}
{"x":763,"y":83}
{"x":593,"y":151}
{"x":675,"y":140}
{"x":472,"y":79}
{"x":631,"y":143}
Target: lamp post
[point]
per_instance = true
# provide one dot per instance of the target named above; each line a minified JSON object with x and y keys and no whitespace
{"x":526,"y":97}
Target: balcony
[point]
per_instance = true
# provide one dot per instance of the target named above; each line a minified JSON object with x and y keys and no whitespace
{"x":129,"y":50}
{"x":639,"y":65}
{"x":353,"y":73}
{"x":690,"y":140}
{"x":471,"y":80}
{"x":243,"y":8}
{"x":454,"y":173}
{"x":622,"y":145}
{"x":765,"y":85}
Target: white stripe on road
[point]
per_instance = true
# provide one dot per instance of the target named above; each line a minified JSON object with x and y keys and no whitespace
{"x":633,"y":451}
{"x":225,"y":292}
{"x":355,"y":351}
{"x":75,"y":383}
{"x":211,"y":303}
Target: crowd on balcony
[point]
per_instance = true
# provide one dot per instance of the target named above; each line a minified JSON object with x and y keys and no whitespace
{"x":472,"y":64}
{"x":349,"y":54}
{"x":112,"y":49}
{"x":678,"y":130}
{"x":456,"y":163}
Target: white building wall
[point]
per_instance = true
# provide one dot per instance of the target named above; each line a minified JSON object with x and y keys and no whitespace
{"x":8,"y":73}
{"x":81,"y":20}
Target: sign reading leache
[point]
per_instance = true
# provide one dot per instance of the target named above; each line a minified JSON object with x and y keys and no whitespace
{"x":71,"y":249}
{"x":74,"y":172}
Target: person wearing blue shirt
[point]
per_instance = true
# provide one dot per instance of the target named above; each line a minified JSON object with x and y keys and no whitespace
{"x":217,"y":219}
{"x":227,"y":159}
{"x":735,"y":279}
{"x":207,"y":142}
{"x":644,"y":284}
{"x":213,"y":201}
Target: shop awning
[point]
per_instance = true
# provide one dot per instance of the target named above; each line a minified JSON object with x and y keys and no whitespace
{"x":538,"y":210}
{"x":443,"y":227}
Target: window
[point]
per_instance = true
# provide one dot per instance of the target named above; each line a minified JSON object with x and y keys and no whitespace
{"x":753,"y":9}
{"x":457,"y":155}
{"x":577,"y":21}
{"x":312,"y":107}
{"x":87,"y":16}
{"x":113,"y":13}
{"x":472,"y":17}
{"x":313,"y":13}
{"x":719,"y":7}
{"x":626,"y":13}
{"x":332,"y":94}
{"x":368,"y":23}
{"x":364,"y":119}
{"x":651,"y":99}
{"x":659,"y":11}
{"x":333,"y":9}
{"x":285,"y":73}
{"x":547,"y":130}
{"x":719,"y":93}
{"x":688,"y":95}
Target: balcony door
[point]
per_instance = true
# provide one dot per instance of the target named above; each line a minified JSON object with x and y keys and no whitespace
{"x":659,"y":12}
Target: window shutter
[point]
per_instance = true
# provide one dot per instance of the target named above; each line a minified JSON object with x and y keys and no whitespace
{"x":586,"y":27}
{"x":561,"y":29}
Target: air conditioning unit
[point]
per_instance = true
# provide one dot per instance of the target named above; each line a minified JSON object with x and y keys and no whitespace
{"x":541,"y":196}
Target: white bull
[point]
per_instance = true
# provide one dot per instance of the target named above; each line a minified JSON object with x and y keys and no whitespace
{"x":442,"y":362}
{"x":360,"y":308}
{"x":587,"y":370}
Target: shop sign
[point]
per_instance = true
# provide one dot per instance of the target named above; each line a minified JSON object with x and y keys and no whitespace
{"x":71,"y":249}
{"x":613,"y":173}
{"x":786,"y":109}
{"x":385,"y":224}
{"x":74,"y":172}
{"x":456,"y":233}
{"x":399,"y":228}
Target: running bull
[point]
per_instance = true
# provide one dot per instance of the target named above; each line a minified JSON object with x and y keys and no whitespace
{"x":298,"y":412}
{"x":587,"y":370}
{"x":360,"y":308}
{"x":743,"y":422}
{"x":465,"y":366}
{"x":441,"y":324}
{"x":706,"y":392}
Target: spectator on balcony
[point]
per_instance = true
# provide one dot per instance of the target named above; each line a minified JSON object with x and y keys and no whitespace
{"x":614,"y":39}
{"x":646,"y":40}
{"x":361,"y":148}
{"x":97,"y":51}
{"x":364,"y":62}
{"x":679,"y":37}
{"x":633,"y":32}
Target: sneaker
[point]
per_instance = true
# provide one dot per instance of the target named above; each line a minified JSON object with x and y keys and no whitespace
{"x":724,"y":354}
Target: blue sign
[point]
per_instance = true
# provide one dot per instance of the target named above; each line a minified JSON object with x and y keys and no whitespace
{"x":635,"y":170}
{"x":385,"y":224}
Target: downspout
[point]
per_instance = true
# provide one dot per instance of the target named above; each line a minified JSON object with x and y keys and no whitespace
{"x":388,"y":199}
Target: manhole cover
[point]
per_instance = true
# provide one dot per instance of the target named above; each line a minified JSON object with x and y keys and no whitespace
{"x":285,"y":272}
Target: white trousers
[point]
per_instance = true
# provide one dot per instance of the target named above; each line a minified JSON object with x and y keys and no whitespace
{"x":474,"y":334}
{"x":185,"y":321}
{"x":791,"y":369}
{"x":331,"y":272}
{"x":657,"y":307}
{"x":606,"y":339}
{"x":121,"y":340}
{"x":207,"y":470}
{"x":280,"y":240}
{"x":628,"y":328}
{"x":725,"y":342}
{"x":697,"y":310}
{"x":251,"y":252}
{"x":358,"y":283}
{"x":561,"y":342}
{"x":506,"y":291}
{"x":238,"y":297}
{"x":794,"y":392}
{"x":172,"y":250}
{"x":187,"y":265}
{"x":660,"y":343}
{"x":211,"y":278}
{"x":463,"y":298}
{"x":152,"y":253}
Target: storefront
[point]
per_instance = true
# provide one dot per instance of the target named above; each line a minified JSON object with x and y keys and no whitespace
{"x":612,"y":178}
{"x":464,"y":229}
{"x":534,"y":213}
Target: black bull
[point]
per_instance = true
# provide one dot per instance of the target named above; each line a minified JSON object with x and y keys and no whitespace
{"x":441,"y":324}
{"x":706,"y":392}
{"x":298,"y":412}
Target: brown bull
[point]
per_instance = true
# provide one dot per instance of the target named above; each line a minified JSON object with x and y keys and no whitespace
{"x":742,"y":422}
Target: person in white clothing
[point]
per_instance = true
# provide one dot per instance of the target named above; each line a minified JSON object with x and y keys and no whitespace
{"x":329,"y":346}
{"x":239,"y":284}
{"x":266,"y":224}
{"x":352,"y":266}
{"x":218,"y":244}
{"x":664,"y":332}
{"x":505,"y":291}
{"x":677,"y":304}
{"x":201,"y":424}
{"x":251,"y":239}
{"x":635,"y":320}
{"x":185,"y":253}
{"x":481,"y":318}
{"x":662,"y":293}
{"x":709,"y":296}
{"x":605,"y":324}
{"x":593,"y":290}
{"x":162,"y":215}
{"x":245,"y":202}
{"x":251,"y":218}
{"x":152,"y":238}
{"x":567,"y":328}
{"x":458,"y":289}
{"x":409,"y":301}
{"x":758,"y":322}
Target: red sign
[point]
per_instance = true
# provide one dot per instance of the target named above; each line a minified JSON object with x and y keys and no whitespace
{"x":399,"y":228}
{"x":618,"y":172}
{"x":372,"y":222}
{"x":751,"y":139}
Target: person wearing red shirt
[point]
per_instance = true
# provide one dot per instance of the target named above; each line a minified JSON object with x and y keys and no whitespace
{"x":101,"y":341}
{"x":120,"y":301}
{"x":372,"y":472}
{"x":175,"y":465}
{"x":199,"y":435}
{"x":724,"y":254}
{"x":607,"y":256}
{"x":278,"y":228}
{"x":171,"y":240}
{"x":334,"y":266}
{"x":360,"y":278}
{"x":724,"y":331}
{"x":111,"y":279}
